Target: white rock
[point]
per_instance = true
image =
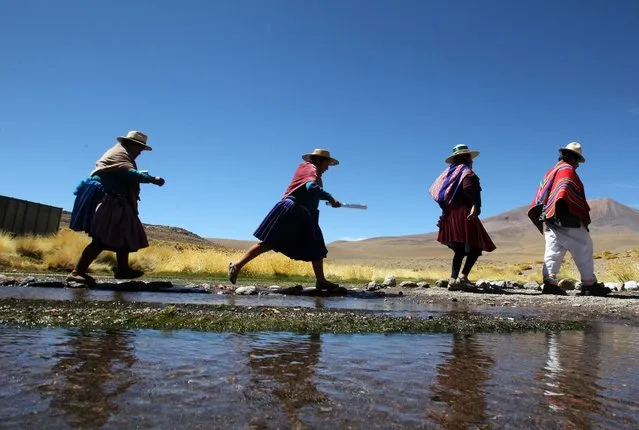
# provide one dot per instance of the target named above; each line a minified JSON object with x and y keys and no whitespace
{"x":423,"y":285}
{"x":246,"y":291}
{"x":614,"y":286}
{"x":372,"y":286}
{"x":389,"y":281}
{"x":630,"y":285}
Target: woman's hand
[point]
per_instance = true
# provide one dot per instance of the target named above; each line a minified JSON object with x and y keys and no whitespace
{"x":334,"y":203}
{"x":158,"y":181}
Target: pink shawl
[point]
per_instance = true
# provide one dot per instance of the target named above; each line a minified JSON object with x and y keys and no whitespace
{"x":306,"y":172}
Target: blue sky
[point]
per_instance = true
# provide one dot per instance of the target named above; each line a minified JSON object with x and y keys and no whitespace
{"x":232,"y":93}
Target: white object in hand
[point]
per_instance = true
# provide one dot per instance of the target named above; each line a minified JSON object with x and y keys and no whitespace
{"x":352,"y":206}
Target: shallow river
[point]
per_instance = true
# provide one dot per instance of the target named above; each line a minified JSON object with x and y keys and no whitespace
{"x":71,"y":378}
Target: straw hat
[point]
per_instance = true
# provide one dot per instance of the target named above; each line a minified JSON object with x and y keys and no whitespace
{"x":574,"y":147}
{"x":136,"y":137}
{"x":461,"y":150}
{"x":320,"y":153}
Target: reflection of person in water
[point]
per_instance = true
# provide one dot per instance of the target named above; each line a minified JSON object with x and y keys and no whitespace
{"x":459,"y":385}
{"x":286,"y":369}
{"x":570,"y":376}
{"x":94,"y":371}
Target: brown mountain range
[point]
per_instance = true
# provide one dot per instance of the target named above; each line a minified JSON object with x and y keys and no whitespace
{"x":615,"y":227}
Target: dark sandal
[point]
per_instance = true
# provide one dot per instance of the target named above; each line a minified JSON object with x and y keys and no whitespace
{"x":80,"y":278}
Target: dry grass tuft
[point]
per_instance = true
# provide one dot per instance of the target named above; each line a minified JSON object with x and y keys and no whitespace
{"x":61,"y":251}
{"x":621,"y":271}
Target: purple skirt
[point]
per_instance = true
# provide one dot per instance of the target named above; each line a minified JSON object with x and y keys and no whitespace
{"x":116,"y":226}
{"x":294,"y":231}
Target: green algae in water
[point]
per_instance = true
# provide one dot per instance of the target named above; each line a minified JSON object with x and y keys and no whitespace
{"x":240,"y":319}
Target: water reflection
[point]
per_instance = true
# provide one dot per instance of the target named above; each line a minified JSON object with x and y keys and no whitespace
{"x":183,"y":379}
{"x":92,"y":371}
{"x":570,"y":376}
{"x":284,"y":368}
{"x":459,"y":399}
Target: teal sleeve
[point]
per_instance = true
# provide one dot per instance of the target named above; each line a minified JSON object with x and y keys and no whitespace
{"x":317,"y":191}
{"x":136,"y":175}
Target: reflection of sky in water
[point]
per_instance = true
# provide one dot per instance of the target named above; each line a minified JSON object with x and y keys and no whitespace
{"x":60,"y":378}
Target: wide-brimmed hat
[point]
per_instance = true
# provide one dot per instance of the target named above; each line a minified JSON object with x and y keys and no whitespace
{"x":574,"y":147}
{"x":136,"y":137}
{"x":320,"y":153}
{"x":461,"y":150}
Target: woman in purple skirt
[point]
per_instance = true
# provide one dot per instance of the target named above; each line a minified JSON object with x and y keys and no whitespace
{"x":292,"y":226}
{"x":106,"y":208}
{"x":458,"y":193}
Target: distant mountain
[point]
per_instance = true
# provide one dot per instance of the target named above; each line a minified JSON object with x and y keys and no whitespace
{"x":614,"y":227}
{"x":159,"y":232}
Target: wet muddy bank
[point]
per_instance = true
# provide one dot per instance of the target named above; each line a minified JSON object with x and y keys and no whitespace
{"x":617,"y":306}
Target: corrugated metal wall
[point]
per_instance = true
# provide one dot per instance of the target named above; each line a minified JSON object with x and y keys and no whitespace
{"x":24,"y":217}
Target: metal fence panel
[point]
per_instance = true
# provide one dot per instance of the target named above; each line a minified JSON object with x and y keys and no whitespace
{"x":23,"y":217}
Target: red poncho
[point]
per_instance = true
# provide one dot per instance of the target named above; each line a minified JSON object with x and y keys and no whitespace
{"x":306,"y":172}
{"x":559,"y":183}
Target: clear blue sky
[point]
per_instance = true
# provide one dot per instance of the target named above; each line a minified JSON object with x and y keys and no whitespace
{"x":232,"y":93}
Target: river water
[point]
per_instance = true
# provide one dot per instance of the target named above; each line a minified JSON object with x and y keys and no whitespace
{"x":72,"y":378}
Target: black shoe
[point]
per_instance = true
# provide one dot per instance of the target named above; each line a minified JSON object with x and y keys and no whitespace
{"x":553,"y":289}
{"x":326,"y":286}
{"x":597,"y":290}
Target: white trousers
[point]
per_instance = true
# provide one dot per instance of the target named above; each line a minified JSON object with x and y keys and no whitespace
{"x":578,"y":242}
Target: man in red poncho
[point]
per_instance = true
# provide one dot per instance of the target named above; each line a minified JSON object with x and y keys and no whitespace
{"x":561,"y":213}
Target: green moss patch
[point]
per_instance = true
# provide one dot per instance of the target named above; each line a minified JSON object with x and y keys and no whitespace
{"x":225,"y":318}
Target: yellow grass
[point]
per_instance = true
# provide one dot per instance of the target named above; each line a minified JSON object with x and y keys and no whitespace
{"x":60,"y":252}
{"x":621,"y":271}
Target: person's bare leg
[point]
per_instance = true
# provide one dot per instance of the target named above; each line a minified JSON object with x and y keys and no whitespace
{"x":321,"y":282}
{"x":253,"y":251}
{"x":123,"y":270}
{"x":89,"y":254}
{"x":122,"y":259}
{"x":318,"y":268}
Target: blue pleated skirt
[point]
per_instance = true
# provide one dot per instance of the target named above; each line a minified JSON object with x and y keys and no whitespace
{"x":294,"y":231}
{"x":87,"y":196}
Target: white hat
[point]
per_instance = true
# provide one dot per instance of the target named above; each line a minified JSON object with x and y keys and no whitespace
{"x":461,"y":150}
{"x":574,"y":147}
